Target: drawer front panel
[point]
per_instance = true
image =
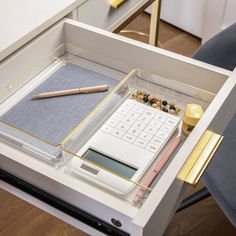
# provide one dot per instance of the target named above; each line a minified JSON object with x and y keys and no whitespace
{"x":66,"y":210}
{"x":46,"y":184}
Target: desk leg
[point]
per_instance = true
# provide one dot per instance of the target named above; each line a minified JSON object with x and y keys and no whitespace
{"x":155,"y":22}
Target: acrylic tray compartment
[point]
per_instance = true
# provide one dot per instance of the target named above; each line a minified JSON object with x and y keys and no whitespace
{"x":39,"y":127}
{"x":136,"y":80}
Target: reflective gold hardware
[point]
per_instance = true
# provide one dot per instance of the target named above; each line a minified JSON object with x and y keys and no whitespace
{"x":192,"y":114}
{"x":200,"y":157}
{"x":134,"y":32}
{"x":139,"y":33}
{"x":117,"y":3}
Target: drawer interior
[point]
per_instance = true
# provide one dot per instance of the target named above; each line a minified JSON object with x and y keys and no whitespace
{"x":54,"y":129}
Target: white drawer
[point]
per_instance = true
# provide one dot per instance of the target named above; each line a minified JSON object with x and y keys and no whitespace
{"x":123,"y":55}
{"x":99,"y":13}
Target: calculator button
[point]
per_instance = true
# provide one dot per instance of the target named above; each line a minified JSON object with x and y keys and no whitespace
{"x":142,"y":126}
{"x":138,"y":109}
{"x":112,"y":122}
{"x":129,"y":138}
{"x":146,"y":136}
{"x":157,"y":141}
{"x":118,"y":133}
{"x":144,"y":118}
{"x":127,"y":104}
{"x":171,"y":122}
{"x":160,"y":117}
{"x":152,"y":147}
{"x":162,"y":134}
{"x":106,"y":128}
{"x":166,"y":128}
{"x":149,"y":113}
{"x":127,"y":120}
{"x":140,"y":142}
{"x":134,"y":131}
{"x":122,"y":126}
{"x":117,"y":116}
{"x":122,"y":111}
{"x":150,"y":129}
{"x":139,"y":125}
{"x":155,"y":123}
{"x":133,"y":114}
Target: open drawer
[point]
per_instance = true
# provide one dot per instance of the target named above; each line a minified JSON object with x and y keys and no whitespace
{"x":73,"y":45}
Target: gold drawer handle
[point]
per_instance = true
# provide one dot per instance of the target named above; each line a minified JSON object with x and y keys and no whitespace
{"x":200,"y":157}
{"x":117,"y":3}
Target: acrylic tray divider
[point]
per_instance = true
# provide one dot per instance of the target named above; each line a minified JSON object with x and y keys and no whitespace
{"x":39,"y":127}
{"x":136,"y":80}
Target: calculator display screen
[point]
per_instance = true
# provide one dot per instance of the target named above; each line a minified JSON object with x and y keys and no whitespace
{"x":109,"y":163}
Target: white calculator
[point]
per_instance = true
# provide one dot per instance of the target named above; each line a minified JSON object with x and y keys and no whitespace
{"x":126,"y":144}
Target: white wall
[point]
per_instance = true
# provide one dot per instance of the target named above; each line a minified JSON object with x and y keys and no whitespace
{"x":185,"y":14}
{"x":203,"y":18}
{"x":219,"y":14}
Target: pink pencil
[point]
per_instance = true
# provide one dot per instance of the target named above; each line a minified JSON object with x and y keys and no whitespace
{"x":139,"y":195}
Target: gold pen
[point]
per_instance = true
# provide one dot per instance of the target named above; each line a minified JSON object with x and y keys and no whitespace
{"x":93,"y":89}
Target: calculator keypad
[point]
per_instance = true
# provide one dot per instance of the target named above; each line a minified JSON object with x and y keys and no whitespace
{"x":129,"y":138}
{"x":141,"y":125}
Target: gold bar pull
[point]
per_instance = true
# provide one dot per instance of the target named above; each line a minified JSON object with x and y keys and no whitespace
{"x":117,"y":3}
{"x":200,"y":157}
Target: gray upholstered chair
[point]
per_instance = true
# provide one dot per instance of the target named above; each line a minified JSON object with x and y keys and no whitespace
{"x":220,"y":175}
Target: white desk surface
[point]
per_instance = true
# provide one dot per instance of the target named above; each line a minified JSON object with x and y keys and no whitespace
{"x":22,"y":20}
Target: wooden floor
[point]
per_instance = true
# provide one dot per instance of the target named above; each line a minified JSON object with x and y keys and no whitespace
{"x":171,"y":38}
{"x":202,"y":219}
{"x":18,"y":218}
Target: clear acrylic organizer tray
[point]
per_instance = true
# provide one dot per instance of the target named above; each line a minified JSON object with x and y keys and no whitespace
{"x":134,"y":81}
{"x":54,"y":130}
{"x":41,"y":127}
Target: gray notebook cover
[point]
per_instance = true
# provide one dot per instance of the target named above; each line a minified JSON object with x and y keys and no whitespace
{"x":53,"y":119}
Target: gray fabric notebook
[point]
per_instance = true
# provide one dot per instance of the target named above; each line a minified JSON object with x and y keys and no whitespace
{"x":53,"y":119}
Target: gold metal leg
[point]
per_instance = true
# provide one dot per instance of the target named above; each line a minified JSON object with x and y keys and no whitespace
{"x":155,"y":23}
{"x":132,"y":17}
